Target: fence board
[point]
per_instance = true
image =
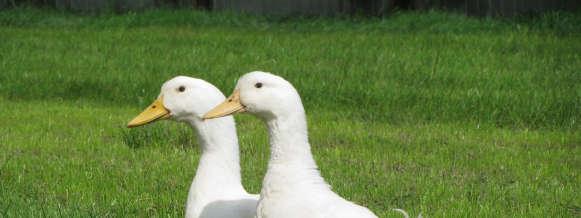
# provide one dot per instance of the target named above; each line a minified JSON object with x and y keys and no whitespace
{"x":499,"y":7}
{"x":573,"y":4}
{"x":88,"y":5}
{"x":132,"y":5}
{"x":4,"y":4}
{"x":116,"y":5}
{"x":282,"y":7}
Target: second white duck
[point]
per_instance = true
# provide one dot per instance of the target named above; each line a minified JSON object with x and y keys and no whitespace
{"x":292,"y":186}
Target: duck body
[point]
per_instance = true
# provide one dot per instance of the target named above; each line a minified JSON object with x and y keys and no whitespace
{"x":304,"y":199}
{"x":292,"y":186}
{"x":216,"y":190}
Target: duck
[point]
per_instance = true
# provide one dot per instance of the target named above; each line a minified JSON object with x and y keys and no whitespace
{"x":293,"y":186}
{"x":216,"y":190}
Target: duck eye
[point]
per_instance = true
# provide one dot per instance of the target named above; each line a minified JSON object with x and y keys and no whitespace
{"x":181,"y":89}
{"x":258,"y":85}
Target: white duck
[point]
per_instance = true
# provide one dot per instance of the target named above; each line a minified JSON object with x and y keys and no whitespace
{"x":292,"y":186}
{"x":216,"y":190}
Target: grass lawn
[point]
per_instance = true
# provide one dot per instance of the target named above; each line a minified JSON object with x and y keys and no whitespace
{"x":435,"y":113}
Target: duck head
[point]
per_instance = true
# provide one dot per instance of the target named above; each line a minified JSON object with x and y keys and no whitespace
{"x":263,"y":94}
{"x":182,"y":99}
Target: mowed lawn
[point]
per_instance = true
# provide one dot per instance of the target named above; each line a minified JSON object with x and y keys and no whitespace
{"x":435,"y":113}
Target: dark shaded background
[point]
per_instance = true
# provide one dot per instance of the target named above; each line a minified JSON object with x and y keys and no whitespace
{"x":309,"y":7}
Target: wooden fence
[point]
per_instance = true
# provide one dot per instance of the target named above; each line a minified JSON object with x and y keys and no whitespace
{"x":109,"y":5}
{"x":314,"y":7}
{"x":306,"y":7}
{"x":381,"y":7}
{"x":500,"y":7}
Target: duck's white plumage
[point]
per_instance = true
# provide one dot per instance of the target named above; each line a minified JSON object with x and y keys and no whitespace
{"x":216,"y":190}
{"x":292,"y":186}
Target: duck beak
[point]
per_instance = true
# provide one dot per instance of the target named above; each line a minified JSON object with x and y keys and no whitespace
{"x":156,"y":111}
{"x":232,"y":105}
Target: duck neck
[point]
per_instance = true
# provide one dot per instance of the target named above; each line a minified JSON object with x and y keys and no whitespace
{"x":291,"y":164}
{"x":289,"y":140}
{"x":219,"y":166}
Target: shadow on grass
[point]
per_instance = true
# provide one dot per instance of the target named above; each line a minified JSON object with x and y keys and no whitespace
{"x":159,"y":135}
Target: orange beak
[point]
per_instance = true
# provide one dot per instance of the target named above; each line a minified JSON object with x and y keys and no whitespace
{"x":156,"y":111}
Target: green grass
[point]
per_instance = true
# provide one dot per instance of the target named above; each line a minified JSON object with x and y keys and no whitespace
{"x":435,"y":113}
